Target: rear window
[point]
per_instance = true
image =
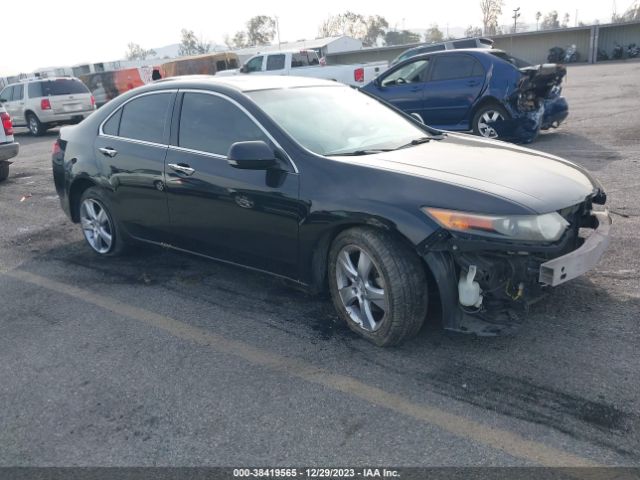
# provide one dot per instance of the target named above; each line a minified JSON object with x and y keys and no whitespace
{"x":275,"y":62}
{"x":62,"y":86}
{"x":465,"y":44}
{"x":304,"y":59}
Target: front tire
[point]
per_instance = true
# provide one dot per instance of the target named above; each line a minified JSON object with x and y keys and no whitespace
{"x":99,"y":227}
{"x":485,"y":116}
{"x":378,"y":285}
{"x":36,"y":127}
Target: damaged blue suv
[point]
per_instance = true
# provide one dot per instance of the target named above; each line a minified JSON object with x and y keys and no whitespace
{"x":484,"y":90}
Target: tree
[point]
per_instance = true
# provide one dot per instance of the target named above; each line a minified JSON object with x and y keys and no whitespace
{"x":433,"y":34}
{"x":550,"y":21}
{"x":347,"y":23}
{"x":472,"y":31}
{"x":538,"y":16}
{"x":192,"y":45}
{"x":565,"y":20}
{"x":136,"y":52}
{"x":402,"y":37}
{"x":376,"y":28}
{"x":632,"y":13}
{"x":491,"y":10}
{"x":239,"y":40}
{"x":260,"y":30}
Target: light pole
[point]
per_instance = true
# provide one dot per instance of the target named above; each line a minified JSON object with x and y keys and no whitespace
{"x":516,"y":14}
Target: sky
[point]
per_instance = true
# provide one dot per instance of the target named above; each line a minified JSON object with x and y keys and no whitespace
{"x":70,"y":32}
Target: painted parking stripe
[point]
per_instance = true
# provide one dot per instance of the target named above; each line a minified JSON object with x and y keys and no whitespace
{"x":504,"y":440}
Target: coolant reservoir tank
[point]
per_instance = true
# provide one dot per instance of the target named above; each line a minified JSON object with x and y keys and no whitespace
{"x":468,"y":289}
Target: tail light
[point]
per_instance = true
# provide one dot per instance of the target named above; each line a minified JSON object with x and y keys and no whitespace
{"x":56,"y":148}
{"x":6,"y":123}
{"x":45,"y":104}
{"x":358,"y":75}
{"x":93,"y":101}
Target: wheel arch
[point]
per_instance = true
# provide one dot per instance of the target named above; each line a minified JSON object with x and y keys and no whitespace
{"x":77,"y":188}
{"x":320,"y":254}
{"x":485,"y":101}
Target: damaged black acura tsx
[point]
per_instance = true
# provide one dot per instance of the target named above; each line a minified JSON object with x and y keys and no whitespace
{"x":324,"y":185}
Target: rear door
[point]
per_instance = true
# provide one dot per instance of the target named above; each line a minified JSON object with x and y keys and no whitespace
{"x":9,"y":104}
{"x":66,"y":95}
{"x":131,"y":149}
{"x":455,"y":82}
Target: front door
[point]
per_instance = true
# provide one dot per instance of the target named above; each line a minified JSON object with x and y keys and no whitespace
{"x":249,"y":217}
{"x":404,"y":87}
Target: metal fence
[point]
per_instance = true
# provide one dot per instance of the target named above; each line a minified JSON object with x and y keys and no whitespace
{"x":531,"y":46}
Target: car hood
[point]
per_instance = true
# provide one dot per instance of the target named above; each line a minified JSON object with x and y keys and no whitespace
{"x":534,"y":180}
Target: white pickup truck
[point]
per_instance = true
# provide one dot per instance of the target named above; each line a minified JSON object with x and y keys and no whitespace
{"x":305,"y":63}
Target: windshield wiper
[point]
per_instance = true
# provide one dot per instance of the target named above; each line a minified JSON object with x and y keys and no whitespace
{"x":418,"y":141}
{"x":357,"y":153}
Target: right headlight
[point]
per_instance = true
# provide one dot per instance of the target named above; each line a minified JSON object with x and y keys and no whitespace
{"x":546,"y":228}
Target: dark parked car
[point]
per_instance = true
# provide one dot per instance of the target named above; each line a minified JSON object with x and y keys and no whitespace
{"x":483,"y":90}
{"x":478,"y":42}
{"x":321,"y":184}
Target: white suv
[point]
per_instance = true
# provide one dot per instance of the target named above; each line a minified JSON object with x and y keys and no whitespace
{"x":8,"y":148}
{"x":44,"y":103}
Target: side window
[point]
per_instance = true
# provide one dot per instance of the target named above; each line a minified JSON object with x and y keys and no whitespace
{"x":221,"y":65}
{"x":410,"y":73}
{"x":6,"y":94}
{"x":465,"y":44}
{"x":18,"y":92}
{"x":35,"y":90}
{"x":113,"y":124}
{"x":255,"y":64}
{"x":300,"y":60}
{"x":275,"y":62}
{"x":144,"y":118}
{"x":453,"y":66}
{"x":211,"y":124}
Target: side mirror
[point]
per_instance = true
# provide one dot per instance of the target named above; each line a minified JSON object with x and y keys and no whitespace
{"x":2,"y":100}
{"x":244,"y":69}
{"x":417,"y":116}
{"x":253,"y":155}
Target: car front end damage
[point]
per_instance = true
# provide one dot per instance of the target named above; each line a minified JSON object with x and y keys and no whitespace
{"x":486,"y":285}
{"x":535,"y":104}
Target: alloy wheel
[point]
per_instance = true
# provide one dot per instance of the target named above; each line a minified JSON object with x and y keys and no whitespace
{"x":96,"y":225}
{"x":33,"y":125}
{"x":361,"y":288}
{"x":485,"y":121}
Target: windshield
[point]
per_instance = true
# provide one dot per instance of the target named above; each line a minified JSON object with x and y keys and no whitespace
{"x":336,"y":120}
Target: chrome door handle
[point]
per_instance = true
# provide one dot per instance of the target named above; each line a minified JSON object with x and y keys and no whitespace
{"x":181,"y":168}
{"x":108,"y":151}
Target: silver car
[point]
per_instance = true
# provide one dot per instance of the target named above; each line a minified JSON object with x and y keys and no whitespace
{"x":40,"y":104}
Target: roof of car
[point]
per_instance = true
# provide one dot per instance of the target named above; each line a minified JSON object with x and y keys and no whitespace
{"x":247,"y":83}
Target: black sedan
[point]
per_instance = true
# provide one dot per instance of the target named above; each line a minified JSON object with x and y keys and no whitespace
{"x":321,"y":184}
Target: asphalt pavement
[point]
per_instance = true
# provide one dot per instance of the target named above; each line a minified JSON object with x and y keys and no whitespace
{"x":159,"y":358}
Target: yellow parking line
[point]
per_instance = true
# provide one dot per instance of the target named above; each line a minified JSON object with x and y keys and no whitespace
{"x":504,"y":440}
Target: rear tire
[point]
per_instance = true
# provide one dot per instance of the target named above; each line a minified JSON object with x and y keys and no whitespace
{"x":4,"y":171}
{"x":100,"y":228}
{"x":378,"y":285}
{"x":486,"y":115}
{"x":36,"y":127}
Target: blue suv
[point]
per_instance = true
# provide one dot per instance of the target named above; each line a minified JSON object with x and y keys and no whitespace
{"x":484,"y":90}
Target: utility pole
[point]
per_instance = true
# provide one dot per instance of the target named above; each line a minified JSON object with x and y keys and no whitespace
{"x":516,"y":14}
{"x":278,"y":31}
